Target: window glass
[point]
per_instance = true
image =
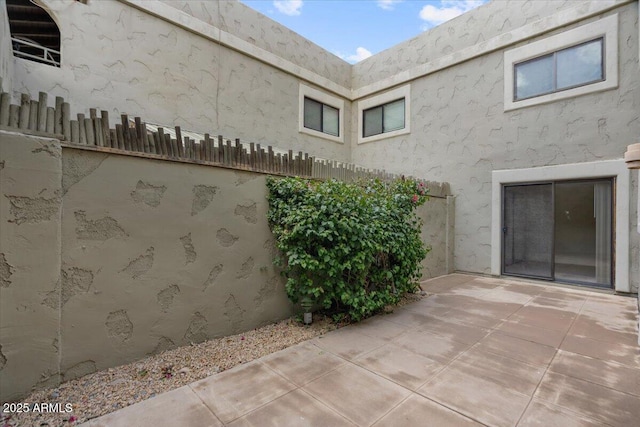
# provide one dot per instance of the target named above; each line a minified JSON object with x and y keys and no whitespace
{"x":567,"y":68}
{"x":320,"y":114}
{"x":534,"y":77}
{"x":321,"y":117}
{"x":312,"y":114}
{"x":372,"y":121}
{"x":585,"y":61}
{"x":330,"y":120}
{"x":385,"y":115}
{"x":580,"y":65}
{"x":393,"y":115}
{"x":384,"y":118}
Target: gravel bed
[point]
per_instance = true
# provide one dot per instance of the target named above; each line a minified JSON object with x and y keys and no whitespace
{"x":109,"y":390}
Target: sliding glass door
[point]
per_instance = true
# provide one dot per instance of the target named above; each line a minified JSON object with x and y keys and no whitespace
{"x":528,"y":230}
{"x":583,"y":232}
{"x":559,"y":231}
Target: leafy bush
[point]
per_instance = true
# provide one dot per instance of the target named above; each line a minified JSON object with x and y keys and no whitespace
{"x":351,"y":247}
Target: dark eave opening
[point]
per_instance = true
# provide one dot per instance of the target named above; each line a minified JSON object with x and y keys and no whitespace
{"x":26,"y":20}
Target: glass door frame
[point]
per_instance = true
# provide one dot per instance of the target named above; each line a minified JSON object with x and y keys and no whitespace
{"x":612,"y":230}
{"x":503,"y":229}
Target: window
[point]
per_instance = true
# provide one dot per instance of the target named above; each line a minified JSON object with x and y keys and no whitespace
{"x":385,"y":115}
{"x":321,"y":117}
{"x":564,"y":69}
{"x":383,"y":118}
{"x":576,"y":62}
{"x":321,"y":114}
{"x":34,"y":34}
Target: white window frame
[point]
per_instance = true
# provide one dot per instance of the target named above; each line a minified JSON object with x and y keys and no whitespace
{"x":590,"y":170}
{"x":385,"y":98}
{"x":606,"y":27}
{"x":324,"y":98}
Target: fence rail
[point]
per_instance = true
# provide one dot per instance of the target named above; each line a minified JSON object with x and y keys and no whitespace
{"x":131,"y":136}
{"x":28,"y":49}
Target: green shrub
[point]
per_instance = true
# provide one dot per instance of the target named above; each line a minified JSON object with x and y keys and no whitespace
{"x":351,"y":247}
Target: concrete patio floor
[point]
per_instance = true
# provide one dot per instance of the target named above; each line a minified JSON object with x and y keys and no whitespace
{"x":480,"y":351}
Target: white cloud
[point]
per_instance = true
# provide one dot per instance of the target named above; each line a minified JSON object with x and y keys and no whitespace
{"x":388,"y":4}
{"x":288,"y":7}
{"x":448,"y":9}
{"x":361,"y":53}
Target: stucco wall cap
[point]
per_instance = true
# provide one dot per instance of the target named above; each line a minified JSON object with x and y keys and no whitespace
{"x":632,"y":156}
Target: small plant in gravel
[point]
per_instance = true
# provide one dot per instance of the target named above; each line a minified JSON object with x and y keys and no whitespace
{"x":349,"y":247}
{"x":167,"y":372}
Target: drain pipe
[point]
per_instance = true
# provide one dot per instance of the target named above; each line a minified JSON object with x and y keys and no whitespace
{"x":632,"y":158}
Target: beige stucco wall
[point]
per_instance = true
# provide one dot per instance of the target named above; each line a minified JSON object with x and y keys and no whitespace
{"x":189,"y":243}
{"x":107,"y":258}
{"x":165,"y":254}
{"x":124,"y":60}
{"x":438,"y":228}
{"x":30,"y":249}
{"x":259,"y":30}
{"x":6,"y":51}
{"x":480,"y":25}
{"x":459,"y":129}
{"x":460,"y":133}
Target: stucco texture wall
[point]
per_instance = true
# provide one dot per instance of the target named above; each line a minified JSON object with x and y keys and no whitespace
{"x":158,"y":254}
{"x":124,"y":60}
{"x":6,"y":50}
{"x":30,"y":249}
{"x":489,"y":20}
{"x":259,"y":30}
{"x":119,"y":257}
{"x":107,"y":258}
{"x":438,"y":217}
{"x":460,"y":133}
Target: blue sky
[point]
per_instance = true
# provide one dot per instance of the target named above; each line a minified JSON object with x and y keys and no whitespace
{"x":356,"y":29}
